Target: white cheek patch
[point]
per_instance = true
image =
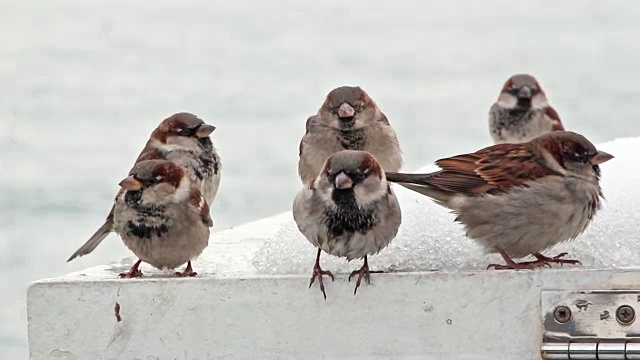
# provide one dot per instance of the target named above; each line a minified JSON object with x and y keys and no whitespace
{"x":539,"y":101}
{"x":553,"y":163}
{"x":183,"y":191}
{"x":166,"y":148}
{"x":507,"y":101}
{"x":179,"y":143}
{"x":364,"y":197}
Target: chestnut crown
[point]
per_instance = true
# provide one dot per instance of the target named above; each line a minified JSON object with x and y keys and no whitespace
{"x":522,"y":85}
{"x":352,"y":95}
{"x":182,"y":124}
{"x":572,"y":150}
{"x":355,"y":165}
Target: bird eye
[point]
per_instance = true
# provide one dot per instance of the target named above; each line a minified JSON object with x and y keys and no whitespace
{"x":184,"y":131}
{"x":361,"y":176}
{"x":582,"y":157}
{"x":358,"y":107}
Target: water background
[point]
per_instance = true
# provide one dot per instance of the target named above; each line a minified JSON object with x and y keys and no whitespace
{"x":83,"y":83}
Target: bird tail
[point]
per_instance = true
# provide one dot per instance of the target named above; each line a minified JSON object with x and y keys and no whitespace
{"x":96,"y":238}
{"x":420,"y":183}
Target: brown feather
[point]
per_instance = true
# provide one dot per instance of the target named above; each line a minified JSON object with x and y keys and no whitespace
{"x":552,"y":114}
{"x":199,"y":202}
{"x":495,"y":169}
{"x":151,"y":154}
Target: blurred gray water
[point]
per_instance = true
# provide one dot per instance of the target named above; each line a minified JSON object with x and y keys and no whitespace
{"x":84,"y":83}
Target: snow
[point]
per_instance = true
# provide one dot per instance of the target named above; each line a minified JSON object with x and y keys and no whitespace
{"x":429,"y":239}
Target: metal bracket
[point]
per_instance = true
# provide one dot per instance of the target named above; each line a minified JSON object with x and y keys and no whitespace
{"x":591,"y":324}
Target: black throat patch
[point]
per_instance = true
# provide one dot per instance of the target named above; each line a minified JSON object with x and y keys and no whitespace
{"x":347,"y":217}
{"x":151,"y":220}
{"x":518,"y":115}
{"x":352,"y":139}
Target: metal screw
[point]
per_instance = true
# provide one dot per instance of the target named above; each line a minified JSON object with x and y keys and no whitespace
{"x":625,"y":314}
{"x":562,"y":314}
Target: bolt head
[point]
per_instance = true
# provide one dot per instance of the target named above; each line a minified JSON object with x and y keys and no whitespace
{"x":625,"y":314}
{"x":562,"y":314}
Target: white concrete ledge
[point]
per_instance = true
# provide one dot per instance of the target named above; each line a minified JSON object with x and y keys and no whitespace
{"x":468,"y":315}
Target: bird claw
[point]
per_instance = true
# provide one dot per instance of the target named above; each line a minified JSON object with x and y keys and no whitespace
{"x":363,"y":272}
{"x":540,"y":261}
{"x":529,"y":265}
{"x":558,"y":259}
{"x":318,"y":273}
{"x":134,"y":272}
{"x":188,"y":272}
{"x":131,"y":274}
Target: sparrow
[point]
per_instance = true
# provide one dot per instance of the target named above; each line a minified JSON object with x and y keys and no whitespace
{"x":161,"y":217}
{"x":347,"y":120}
{"x":348,"y":211}
{"x":183,"y":139}
{"x":519,"y":199}
{"x":522,"y":112}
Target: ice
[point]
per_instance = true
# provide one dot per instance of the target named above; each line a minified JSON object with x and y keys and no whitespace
{"x":429,"y":239}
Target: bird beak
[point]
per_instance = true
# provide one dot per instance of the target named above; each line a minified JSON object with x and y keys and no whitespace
{"x":205,"y":130}
{"x":345,"y":110}
{"x":343,"y":181}
{"x":524,"y":92}
{"x":601,"y":157}
{"x":130,"y":184}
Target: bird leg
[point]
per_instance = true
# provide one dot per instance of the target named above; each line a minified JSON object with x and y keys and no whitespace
{"x":318,"y":273}
{"x":558,"y":259}
{"x":512,"y":265}
{"x":188,"y":272}
{"x":134,"y":272}
{"x":362,"y":272}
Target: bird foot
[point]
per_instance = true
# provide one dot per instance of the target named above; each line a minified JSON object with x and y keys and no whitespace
{"x":558,"y":259}
{"x":363,"y":272}
{"x":186,"y":273}
{"x":317,"y":274}
{"x":133,"y":273}
{"x":528,"y":265}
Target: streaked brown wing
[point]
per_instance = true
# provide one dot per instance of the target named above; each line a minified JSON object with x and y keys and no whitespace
{"x":494,"y":169}
{"x":200,"y":203}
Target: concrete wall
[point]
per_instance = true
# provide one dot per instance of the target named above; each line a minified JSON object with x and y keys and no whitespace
{"x":231,"y":312}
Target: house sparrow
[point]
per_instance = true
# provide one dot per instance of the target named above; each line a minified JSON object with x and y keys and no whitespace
{"x":182,"y":138}
{"x":348,"y":119}
{"x":161,"y":217}
{"x":522,"y":112}
{"x":348,"y":211}
{"x":519,"y":199}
